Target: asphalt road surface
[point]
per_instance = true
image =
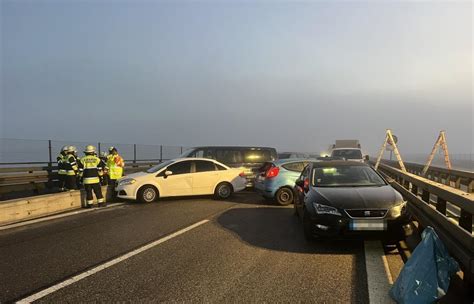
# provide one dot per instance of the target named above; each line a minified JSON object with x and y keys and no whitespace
{"x":242,"y":250}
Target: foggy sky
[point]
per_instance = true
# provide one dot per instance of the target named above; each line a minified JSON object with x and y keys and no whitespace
{"x":295,"y":76}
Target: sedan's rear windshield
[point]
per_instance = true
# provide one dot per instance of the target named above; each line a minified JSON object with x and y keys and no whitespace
{"x":346,"y":176}
{"x":348,"y":154}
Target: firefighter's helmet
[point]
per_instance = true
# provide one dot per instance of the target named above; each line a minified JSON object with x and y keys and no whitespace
{"x":70,"y":149}
{"x":112,"y":149}
{"x":64,"y":148}
{"x":89,"y":149}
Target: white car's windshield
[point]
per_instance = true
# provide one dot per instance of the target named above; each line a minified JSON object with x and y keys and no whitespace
{"x":160,"y":166}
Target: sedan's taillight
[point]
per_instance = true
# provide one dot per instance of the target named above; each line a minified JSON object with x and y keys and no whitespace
{"x":272,"y":172}
{"x":242,"y":174}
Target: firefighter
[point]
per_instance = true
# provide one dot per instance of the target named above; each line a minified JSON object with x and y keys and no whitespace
{"x":114,"y":165}
{"x":71,"y":167}
{"x":105,"y":176}
{"x":92,"y":168}
{"x":61,"y":168}
{"x":78,"y":176}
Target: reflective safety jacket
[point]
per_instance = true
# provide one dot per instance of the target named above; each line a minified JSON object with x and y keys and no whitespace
{"x":115,"y":166}
{"x":70,"y":164}
{"x":61,"y":159}
{"x":91,"y":167}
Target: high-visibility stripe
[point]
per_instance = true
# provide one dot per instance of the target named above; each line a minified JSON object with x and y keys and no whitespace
{"x":91,"y":180}
{"x":71,"y":172}
{"x":62,"y":172}
{"x":100,"y":200}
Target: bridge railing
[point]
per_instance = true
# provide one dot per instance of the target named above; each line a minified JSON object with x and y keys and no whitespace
{"x":449,"y":211}
{"x":38,"y":177}
{"x":459,"y":179}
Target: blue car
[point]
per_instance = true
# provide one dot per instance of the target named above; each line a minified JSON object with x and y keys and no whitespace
{"x":277,"y":179}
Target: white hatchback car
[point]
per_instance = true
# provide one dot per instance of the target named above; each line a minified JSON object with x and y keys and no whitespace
{"x":182,"y":177}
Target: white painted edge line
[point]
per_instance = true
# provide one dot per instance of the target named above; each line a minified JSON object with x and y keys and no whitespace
{"x":52,"y":217}
{"x":379,"y":278}
{"x":106,"y":265}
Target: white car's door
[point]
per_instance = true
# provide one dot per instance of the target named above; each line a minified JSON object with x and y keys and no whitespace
{"x":180,"y":182}
{"x":205,"y":177}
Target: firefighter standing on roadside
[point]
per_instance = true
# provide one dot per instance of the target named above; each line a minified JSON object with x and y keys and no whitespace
{"x":78,"y":176}
{"x":92,"y":168}
{"x":61,"y":168}
{"x":115,"y":165}
{"x":70,"y":165}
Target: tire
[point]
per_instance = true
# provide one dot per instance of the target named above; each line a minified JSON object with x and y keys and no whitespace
{"x":308,"y":232}
{"x":147,"y":194}
{"x":284,"y":196}
{"x":223,"y":191}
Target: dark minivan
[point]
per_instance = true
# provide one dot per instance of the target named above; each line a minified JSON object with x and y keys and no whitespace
{"x":249,"y":158}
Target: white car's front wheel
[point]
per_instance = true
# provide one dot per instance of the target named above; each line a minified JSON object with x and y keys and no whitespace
{"x":223,"y":191}
{"x":147,"y":194}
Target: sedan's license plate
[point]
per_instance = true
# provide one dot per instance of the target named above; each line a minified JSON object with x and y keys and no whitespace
{"x":368,"y":225}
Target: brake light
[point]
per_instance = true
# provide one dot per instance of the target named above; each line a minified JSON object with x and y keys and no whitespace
{"x":272,"y":172}
{"x":242,"y":174}
{"x":306,"y":183}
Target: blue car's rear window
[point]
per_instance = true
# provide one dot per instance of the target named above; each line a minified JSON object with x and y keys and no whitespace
{"x":297,"y":166}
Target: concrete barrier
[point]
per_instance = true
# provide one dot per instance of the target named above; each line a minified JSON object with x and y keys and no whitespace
{"x":17,"y":210}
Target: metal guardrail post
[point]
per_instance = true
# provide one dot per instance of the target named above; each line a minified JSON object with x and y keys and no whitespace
{"x":98,"y":147}
{"x":425,"y":196}
{"x":134,"y":153}
{"x":441,"y":205}
{"x":50,"y":153}
{"x":181,"y":150}
{"x":49,"y":184}
{"x":465,"y":220}
{"x":161,"y":153}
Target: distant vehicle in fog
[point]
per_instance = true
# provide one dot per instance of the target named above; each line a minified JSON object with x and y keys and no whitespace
{"x":348,"y":149}
{"x":277,"y":179}
{"x":288,"y":155}
{"x":182,"y":177}
{"x":354,"y":154}
{"x":248,"y":158}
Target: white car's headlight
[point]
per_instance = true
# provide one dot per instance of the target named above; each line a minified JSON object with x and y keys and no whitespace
{"x":324,"y":209}
{"x":127,"y":181}
{"x":398,"y":210}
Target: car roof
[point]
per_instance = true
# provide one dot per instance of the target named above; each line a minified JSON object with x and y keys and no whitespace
{"x":179,"y":159}
{"x":338,"y":163}
{"x":293,"y":160}
{"x":232,"y":147}
{"x":194,"y":158}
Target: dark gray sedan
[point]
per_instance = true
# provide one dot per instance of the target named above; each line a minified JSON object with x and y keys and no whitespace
{"x":336,"y":198}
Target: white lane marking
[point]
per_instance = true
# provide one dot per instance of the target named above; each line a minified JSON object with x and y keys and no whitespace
{"x":106,"y":265}
{"x":379,"y":278}
{"x":52,"y":217}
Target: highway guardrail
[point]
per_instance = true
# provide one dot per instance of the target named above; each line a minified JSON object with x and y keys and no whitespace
{"x":456,"y":233}
{"x":458,"y":179}
{"x":24,"y":177}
